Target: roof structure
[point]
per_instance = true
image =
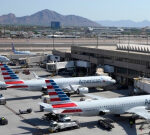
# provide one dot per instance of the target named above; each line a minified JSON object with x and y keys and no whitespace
{"x":134,"y":47}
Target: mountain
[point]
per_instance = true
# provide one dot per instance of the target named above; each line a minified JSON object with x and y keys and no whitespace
{"x":45,"y":17}
{"x":124,"y":23}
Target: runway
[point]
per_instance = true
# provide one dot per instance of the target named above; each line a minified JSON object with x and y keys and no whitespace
{"x":40,"y":45}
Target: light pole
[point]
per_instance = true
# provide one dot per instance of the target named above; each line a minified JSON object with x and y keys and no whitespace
{"x":147,"y":39}
{"x":97,"y":41}
{"x":53,"y":41}
{"x":128,"y":60}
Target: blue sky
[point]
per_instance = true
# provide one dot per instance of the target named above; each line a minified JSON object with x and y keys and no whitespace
{"x":136,"y":10}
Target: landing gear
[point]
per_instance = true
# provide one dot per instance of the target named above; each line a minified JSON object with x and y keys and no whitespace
{"x":68,"y":94}
{"x":41,"y":108}
{"x":44,"y":91}
{"x":101,"y":113}
{"x":117,"y":115}
{"x":77,"y":92}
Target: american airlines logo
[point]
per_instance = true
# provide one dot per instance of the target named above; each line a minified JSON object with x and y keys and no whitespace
{"x":89,"y":81}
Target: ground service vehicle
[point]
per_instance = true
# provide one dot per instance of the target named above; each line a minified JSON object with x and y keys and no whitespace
{"x":56,"y":117}
{"x":3,"y":121}
{"x":2,"y":100}
{"x":60,"y":126}
{"x":106,"y":125}
{"x":29,"y":110}
{"x":26,"y":72}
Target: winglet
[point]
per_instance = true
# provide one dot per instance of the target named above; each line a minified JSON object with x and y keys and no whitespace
{"x":36,"y":76}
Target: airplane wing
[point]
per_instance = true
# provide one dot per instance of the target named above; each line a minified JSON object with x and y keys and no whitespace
{"x":141,"y":111}
{"x":72,"y":87}
{"x":94,"y":96}
{"x":36,"y":76}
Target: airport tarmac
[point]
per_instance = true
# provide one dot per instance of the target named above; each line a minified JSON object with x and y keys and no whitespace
{"x":32,"y":124}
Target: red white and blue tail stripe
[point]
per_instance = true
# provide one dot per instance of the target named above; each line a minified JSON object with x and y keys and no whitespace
{"x":56,"y":94}
{"x":59,"y":99}
{"x":10,"y":78}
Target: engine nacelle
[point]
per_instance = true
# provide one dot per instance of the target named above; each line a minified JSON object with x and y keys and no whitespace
{"x":104,"y":112}
{"x":101,"y":113}
{"x":82,"y":90}
{"x":147,"y":108}
{"x":3,"y":86}
{"x":137,"y":91}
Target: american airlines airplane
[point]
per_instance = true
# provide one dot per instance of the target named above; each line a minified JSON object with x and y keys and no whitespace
{"x":79,"y":85}
{"x":61,"y":104}
{"x":21,"y":52}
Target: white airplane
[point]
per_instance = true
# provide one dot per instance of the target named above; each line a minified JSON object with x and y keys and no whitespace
{"x":21,"y":52}
{"x":79,"y":85}
{"x":4,"y":59}
{"x":61,"y":104}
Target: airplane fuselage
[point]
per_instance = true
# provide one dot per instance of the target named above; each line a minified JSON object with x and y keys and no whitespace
{"x":21,"y":52}
{"x":91,"y":81}
{"x":109,"y":106}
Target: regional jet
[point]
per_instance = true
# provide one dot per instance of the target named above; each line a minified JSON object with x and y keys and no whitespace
{"x":78,"y":85}
{"x":21,"y":52}
{"x":61,"y":104}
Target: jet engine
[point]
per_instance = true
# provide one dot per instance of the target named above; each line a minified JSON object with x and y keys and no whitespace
{"x":3,"y":86}
{"x":82,"y":90}
{"x":104,"y":112}
{"x":137,"y":91}
{"x":101,"y":113}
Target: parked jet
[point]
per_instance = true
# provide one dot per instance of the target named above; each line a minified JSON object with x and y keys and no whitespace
{"x":61,"y":104}
{"x":79,"y":85}
{"x":4,"y":59}
{"x":21,"y":52}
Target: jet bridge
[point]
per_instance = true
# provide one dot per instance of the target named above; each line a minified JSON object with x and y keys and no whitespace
{"x":54,"y":67}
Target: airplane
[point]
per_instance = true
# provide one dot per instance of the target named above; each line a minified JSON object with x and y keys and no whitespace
{"x":4,"y":59}
{"x":21,"y":52}
{"x":79,"y":85}
{"x":61,"y":104}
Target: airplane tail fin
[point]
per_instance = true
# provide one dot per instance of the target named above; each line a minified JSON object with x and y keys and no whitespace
{"x":60,"y":102}
{"x":57,"y":95}
{"x":9,"y":76}
{"x":13,"y":47}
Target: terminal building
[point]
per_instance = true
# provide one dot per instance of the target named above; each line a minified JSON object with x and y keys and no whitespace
{"x":129,"y":61}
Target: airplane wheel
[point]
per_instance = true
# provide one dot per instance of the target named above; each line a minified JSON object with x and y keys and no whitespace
{"x":78,"y":92}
